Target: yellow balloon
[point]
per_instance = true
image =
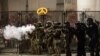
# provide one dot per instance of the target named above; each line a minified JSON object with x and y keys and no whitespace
{"x":42,"y":11}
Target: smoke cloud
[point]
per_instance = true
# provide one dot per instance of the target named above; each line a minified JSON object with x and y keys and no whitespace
{"x":17,"y":32}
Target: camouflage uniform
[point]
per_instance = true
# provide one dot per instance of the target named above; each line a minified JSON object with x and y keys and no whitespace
{"x":57,"y":38}
{"x":37,"y":39}
{"x":49,"y":37}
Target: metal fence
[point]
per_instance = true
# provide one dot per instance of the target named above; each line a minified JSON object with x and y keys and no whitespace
{"x":15,"y":17}
{"x":23,"y":17}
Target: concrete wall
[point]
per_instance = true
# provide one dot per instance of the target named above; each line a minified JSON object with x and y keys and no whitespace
{"x":98,"y":9}
{"x":16,"y":5}
{"x":20,"y":5}
{"x":35,"y":4}
{"x":70,"y":5}
{"x":60,"y":5}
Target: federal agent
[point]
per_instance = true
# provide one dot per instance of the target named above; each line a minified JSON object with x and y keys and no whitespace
{"x":69,"y":33}
{"x":92,"y":31}
{"x":80,"y":34}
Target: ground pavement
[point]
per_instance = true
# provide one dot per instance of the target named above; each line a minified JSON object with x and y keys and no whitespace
{"x":10,"y":54}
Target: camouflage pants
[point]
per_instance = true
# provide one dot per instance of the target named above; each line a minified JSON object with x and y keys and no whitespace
{"x":57,"y":46}
{"x":35,"y":47}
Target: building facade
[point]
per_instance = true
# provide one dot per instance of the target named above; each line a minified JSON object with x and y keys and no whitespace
{"x":53,"y":5}
{"x":20,"y":5}
{"x":60,"y":5}
{"x":80,"y":5}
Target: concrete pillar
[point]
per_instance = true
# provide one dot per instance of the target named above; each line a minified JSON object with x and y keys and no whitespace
{"x":98,"y":5}
{"x":0,"y":5}
{"x":4,"y":4}
{"x":0,"y":10}
{"x":4,"y":14}
{"x":98,"y":9}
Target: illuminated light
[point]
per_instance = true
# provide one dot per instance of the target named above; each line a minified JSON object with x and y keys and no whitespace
{"x":42,"y":11}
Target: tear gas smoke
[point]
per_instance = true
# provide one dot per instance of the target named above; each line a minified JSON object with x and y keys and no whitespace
{"x":17,"y":32}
